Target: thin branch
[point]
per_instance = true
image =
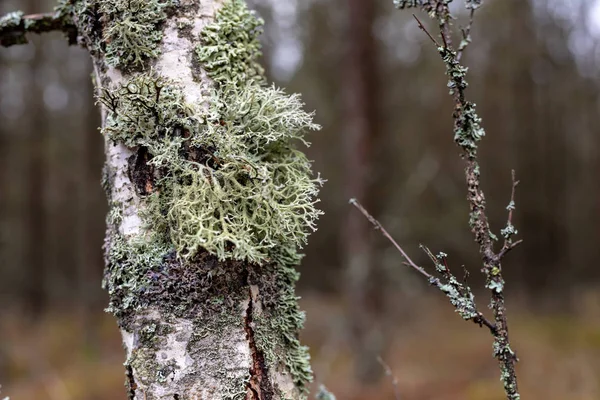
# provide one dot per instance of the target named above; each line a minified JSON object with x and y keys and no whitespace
{"x":390,"y":374}
{"x":378,"y":226}
{"x":422,"y":27}
{"x":466,"y":34}
{"x":467,"y":134}
{"x":510,"y":230}
{"x":460,"y":294}
{"x":15,"y":26}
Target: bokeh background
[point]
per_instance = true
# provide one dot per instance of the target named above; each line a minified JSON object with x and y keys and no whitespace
{"x":380,"y":93}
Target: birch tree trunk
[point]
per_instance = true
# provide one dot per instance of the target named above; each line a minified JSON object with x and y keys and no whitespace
{"x":209,"y":199}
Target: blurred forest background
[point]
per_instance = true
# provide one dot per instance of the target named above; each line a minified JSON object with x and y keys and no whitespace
{"x":380,"y":93}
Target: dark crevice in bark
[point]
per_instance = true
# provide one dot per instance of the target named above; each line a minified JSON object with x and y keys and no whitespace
{"x":130,"y":383}
{"x":259,"y":386}
{"x":140,"y":172}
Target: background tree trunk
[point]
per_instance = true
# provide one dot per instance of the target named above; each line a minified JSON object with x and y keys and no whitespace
{"x":361,"y":127}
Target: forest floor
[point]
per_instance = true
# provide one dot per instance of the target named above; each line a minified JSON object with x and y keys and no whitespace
{"x":433,"y":354}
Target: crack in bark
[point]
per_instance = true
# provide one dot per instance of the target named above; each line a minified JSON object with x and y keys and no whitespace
{"x":259,"y":386}
{"x":130,"y":383}
{"x":140,"y":172}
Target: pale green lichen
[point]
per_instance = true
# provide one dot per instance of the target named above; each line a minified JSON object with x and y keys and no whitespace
{"x":234,"y":384}
{"x":256,"y":191}
{"x":230,"y":47}
{"x":126,"y":33}
{"x":132,"y":34}
{"x":427,"y":5}
{"x":242,"y":190}
{"x":324,"y":394}
{"x":277,"y":332}
{"x":473,"y":4}
{"x":129,"y":271}
{"x":11,"y":20}
{"x":508,"y":231}
{"x":459,"y":293}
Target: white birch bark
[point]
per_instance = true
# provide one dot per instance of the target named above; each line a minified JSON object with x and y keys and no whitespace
{"x":184,"y":360}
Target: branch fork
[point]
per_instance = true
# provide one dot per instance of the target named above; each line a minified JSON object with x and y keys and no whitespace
{"x":467,"y":134}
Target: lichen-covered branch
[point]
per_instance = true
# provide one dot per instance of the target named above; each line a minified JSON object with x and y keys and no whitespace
{"x":468,"y":132}
{"x":459,"y":293}
{"x":15,"y":26}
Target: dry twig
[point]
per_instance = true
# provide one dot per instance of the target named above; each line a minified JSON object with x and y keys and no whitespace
{"x":390,"y":374}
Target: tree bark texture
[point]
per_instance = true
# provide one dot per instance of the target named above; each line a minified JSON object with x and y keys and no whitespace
{"x":208,"y":200}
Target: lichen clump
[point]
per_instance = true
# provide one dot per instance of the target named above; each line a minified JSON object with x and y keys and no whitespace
{"x":230,"y":47}
{"x":276,"y":332}
{"x":228,"y":180}
{"x":132,"y":36}
{"x":127,"y":33}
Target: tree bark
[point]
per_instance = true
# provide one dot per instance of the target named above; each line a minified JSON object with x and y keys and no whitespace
{"x":361,"y":131}
{"x":210,"y":201}
{"x":196,"y":323}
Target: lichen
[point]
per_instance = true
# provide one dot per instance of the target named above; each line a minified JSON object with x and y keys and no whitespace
{"x":277,"y":330}
{"x":427,"y":5}
{"x":11,"y":20}
{"x":128,"y":273}
{"x":324,"y":394}
{"x":202,"y":345}
{"x":230,"y":47}
{"x":228,"y":200}
{"x":126,"y":33}
{"x":143,"y":361}
{"x":229,"y":181}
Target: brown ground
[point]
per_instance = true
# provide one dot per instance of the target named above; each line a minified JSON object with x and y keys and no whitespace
{"x":434,"y":356}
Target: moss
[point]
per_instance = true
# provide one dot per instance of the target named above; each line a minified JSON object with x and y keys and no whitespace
{"x":230,"y":47}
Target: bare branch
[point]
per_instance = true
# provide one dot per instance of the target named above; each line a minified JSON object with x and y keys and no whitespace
{"x":509,"y":231}
{"x":15,"y":26}
{"x":466,"y":34}
{"x":390,"y":373}
{"x":422,"y":27}
{"x":378,"y":226}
